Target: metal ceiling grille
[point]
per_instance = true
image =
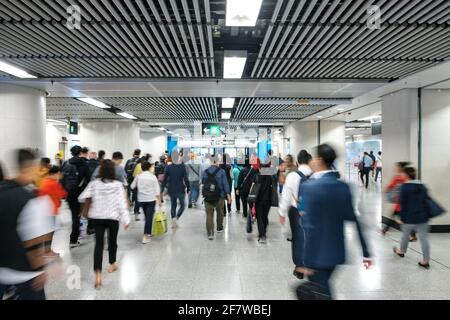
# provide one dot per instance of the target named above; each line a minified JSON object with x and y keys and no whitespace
{"x":157,"y":109}
{"x":118,"y":38}
{"x":250,"y":109}
{"x":61,"y":108}
{"x":331,"y":39}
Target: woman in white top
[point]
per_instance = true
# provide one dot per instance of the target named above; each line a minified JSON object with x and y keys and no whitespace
{"x":288,"y":207}
{"x":148,"y":193}
{"x":105,"y":201}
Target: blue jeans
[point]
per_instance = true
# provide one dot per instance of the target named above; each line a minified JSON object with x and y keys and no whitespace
{"x":173,"y":204}
{"x":149,"y":211}
{"x":195,"y":189}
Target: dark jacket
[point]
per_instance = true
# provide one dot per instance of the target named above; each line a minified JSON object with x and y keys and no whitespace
{"x":412,"y":203}
{"x":221,"y":179}
{"x":327,"y":204}
{"x":176,"y":179}
{"x":266,"y":183}
{"x":245,"y":180}
{"x":83,"y":173}
{"x":13,"y":198}
{"x":92,"y":164}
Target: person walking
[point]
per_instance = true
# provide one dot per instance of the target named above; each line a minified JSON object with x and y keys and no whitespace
{"x":378,"y":166}
{"x":194,"y":175}
{"x":51,"y":187}
{"x":105,"y":204}
{"x":414,"y":216}
{"x":264,"y":199}
{"x":327,"y":204}
{"x":75,"y":177}
{"x":374,"y":159}
{"x":92,"y":162}
{"x":42,"y":171}
{"x":148,"y":194}
{"x":393,"y":189}
{"x":130,"y":165}
{"x":177,"y":183}
{"x":25,"y":223}
{"x":215,"y":190}
{"x":366,"y":165}
{"x":237,"y":199}
{"x":228,"y":172}
{"x":245,"y":180}
{"x":289,"y":207}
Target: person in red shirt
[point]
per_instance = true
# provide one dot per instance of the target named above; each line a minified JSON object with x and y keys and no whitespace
{"x":397,"y":180}
{"x":51,"y":187}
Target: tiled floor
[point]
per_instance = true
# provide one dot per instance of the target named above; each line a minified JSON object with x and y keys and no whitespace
{"x":183,"y":264}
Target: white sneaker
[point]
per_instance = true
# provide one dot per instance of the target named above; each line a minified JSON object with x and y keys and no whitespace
{"x":145,"y":240}
{"x":174,"y":224}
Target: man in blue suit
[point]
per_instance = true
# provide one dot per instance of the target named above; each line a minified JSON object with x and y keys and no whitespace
{"x":327,"y":204}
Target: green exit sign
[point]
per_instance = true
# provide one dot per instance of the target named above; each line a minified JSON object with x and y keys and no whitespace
{"x":214,"y":130}
{"x":73,"y":127}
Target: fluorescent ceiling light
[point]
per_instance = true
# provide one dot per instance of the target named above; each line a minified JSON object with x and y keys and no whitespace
{"x":227,"y":103}
{"x":162,"y":129}
{"x":170,"y":132}
{"x":94,"y":102}
{"x":226,"y":115}
{"x":57,"y":122}
{"x":349,"y":129}
{"x":370,"y":118}
{"x":234,"y":64}
{"x":126,"y":115}
{"x":7,"y":68}
{"x":242,"y":13}
{"x":320,"y":117}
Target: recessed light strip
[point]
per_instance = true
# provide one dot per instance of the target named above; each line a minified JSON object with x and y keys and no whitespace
{"x":10,"y":69}
{"x":94,"y":103}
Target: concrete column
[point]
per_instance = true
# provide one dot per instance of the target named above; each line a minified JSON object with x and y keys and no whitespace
{"x":399,"y":134}
{"x":435,"y":151}
{"x":110,"y":136}
{"x":22,"y":122}
{"x":308,"y":134}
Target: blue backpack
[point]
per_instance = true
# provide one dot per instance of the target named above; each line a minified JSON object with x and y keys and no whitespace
{"x":303,"y":178}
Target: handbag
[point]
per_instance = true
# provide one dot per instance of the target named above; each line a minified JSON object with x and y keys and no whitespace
{"x":159,"y":224}
{"x":254,"y":192}
{"x":432,"y":208}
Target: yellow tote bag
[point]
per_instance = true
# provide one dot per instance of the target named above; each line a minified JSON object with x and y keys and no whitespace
{"x":159,"y":224}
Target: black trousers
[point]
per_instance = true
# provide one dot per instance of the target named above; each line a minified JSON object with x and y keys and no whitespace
{"x":237,"y":200}
{"x":74,"y":205}
{"x":226,"y":207}
{"x":100,"y":225}
{"x":365,"y":173}
{"x":22,"y":291}
{"x":244,"y":204}
{"x":297,"y":242}
{"x":322,"y":277}
{"x":262,"y":217}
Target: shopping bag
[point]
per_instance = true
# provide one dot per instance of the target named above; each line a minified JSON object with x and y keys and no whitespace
{"x":159,"y":224}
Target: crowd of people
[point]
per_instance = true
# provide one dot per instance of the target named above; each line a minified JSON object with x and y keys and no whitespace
{"x":370,"y":163}
{"x":307,"y":190}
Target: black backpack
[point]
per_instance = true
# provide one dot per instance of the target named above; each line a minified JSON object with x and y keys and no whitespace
{"x":211,"y":190}
{"x":69,"y":177}
{"x":129,"y":169}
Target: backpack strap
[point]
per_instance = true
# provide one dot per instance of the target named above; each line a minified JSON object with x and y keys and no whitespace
{"x":213,"y":173}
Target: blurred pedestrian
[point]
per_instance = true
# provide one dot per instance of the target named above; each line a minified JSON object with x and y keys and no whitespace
{"x":51,"y":187}
{"x":378,"y":166}
{"x":289,"y":207}
{"x":414,"y":216}
{"x":42,"y":171}
{"x":101,"y":156}
{"x":92,"y":162}
{"x":327,"y":204}
{"x":105,"y":204}
{"x":25,"y":223}
{"x":194,"y":175}
{"x":366,"y":166}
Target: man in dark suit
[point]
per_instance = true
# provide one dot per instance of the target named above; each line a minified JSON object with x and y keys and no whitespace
{"x":327,"y":205}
